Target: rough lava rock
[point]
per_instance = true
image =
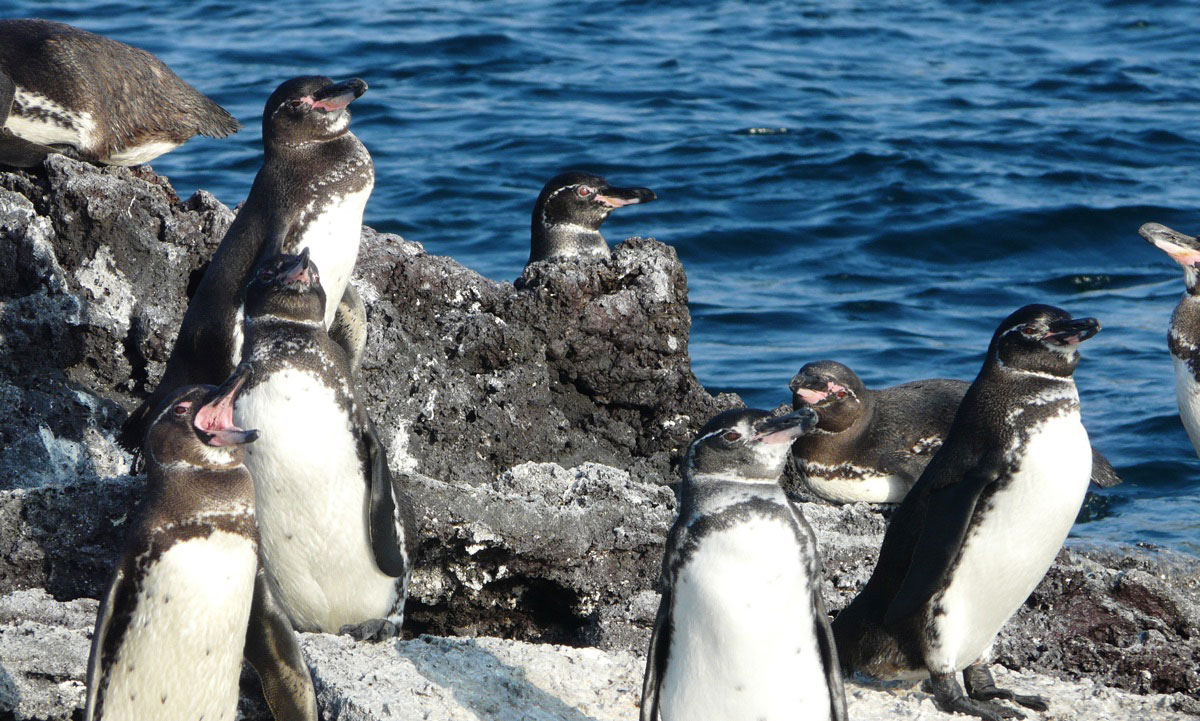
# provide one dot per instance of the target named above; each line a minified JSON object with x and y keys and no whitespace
{"x":538,"y":424}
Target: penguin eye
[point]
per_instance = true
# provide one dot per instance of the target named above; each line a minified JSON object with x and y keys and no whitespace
{"x":841,"y":394}
{"x":583,"y":191}
{"x":1028,"y":330}
{"x":294,"y":104}
{"x":182,"y":408}
{"x":731,"y":435}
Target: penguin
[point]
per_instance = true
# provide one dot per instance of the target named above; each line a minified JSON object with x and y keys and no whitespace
{"x":1183,"y":338}
{"x":337,"y":531}
{"x":188,"y":597}
{"x":310,"y":193}
{"x":741,"y":632}
{"x":872,"y":445}
{"x":569,"y":212}
{"x":982,"y":525}
{"x":66,"y":90}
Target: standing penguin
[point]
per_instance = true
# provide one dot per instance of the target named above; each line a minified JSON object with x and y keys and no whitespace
{"x":1184,"y":336}
{"x":188,"y":597}
{"x":63,"y":89}
{"x":872,"y":445}
{"x":981,"y":526}
{"x":569,"y":212}
{"x":337,"y":532}
{"x":741,"y":632}
{"x":310,"y":193}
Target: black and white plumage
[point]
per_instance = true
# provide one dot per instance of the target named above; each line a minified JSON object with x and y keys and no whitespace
{"x":982,"y":525}
{"x":337,"y":532}
{"x":872,"y":445}
{"x":741,"y":631}
{"x":188,"y":598}
{"x":569,"y":212}
{"x":66,"y":90}
{"x":1183,"y":338}
{"x":310,"y":193}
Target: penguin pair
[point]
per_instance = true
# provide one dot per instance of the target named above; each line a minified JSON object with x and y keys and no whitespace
{"x":982,"y":524}
{"x":65,"y":90}
{"x":189,"y":597}
{"x":872,"y":445}
{"x":309,"y":193}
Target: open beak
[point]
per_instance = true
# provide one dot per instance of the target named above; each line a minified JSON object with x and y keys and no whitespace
{"x":785,"y":429}
{"x":618,"y":197}
{"x":214,"y":420}
{"x":1072,"y":331}
{"x":1183,"y":249}
{"x":300,"y":271}
{"x":338,"y":95}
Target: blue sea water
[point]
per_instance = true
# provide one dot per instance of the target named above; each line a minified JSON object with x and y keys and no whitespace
{"x":877,"y":183}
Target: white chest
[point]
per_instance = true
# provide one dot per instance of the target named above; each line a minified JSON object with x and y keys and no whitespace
{"x":1007,"y":552}
{"x":182,"y":653}
{"x":311,"y":503}
{"x":1187,"y":393}
{"x":39,"y":119}
{"x":332,"y":240}
{"x":743,"y":645}
{"x":832,"y":485}
{"x":141,"y":153}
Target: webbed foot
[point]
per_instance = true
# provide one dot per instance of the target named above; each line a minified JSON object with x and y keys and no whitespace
{"x":982,"y":687}
{"x":949,"y":697}
{"x":373,"y":629}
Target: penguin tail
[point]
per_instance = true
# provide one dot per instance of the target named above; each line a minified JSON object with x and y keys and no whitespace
{"x":218,"y":123}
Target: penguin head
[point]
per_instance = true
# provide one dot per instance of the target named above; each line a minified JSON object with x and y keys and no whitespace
{"x":745,"y":445}
{"x":309,"y":109}
{"x":1041,"y":339}
{"x":831,"y":389}
{"x":1183,"y":249}
{"x":573,"y":204}
{"x":194,"y":425}
{"x":289,"y":287}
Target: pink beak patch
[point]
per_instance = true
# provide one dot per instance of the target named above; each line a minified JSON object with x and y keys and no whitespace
{"x":811,"y":397}
{"x":216,"y":419}
{"x":617,"y":202}
{"x":1179,"y":254}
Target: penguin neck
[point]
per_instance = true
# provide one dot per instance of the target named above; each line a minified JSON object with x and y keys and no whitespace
{"x":566,"y":240}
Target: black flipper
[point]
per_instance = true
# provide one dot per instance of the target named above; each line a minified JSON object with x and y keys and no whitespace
{"x":829,"y":658}
{"x":349,"y":329}
{"x":656,"y":658}
{"x":389,"y":520}
{"x":982,"y":687}
{"x":274,"y":652}
{"x":104,"y":622}
{"x":1103,"y":473}
{"x":949,"y":697}
{"x":946,"y":518}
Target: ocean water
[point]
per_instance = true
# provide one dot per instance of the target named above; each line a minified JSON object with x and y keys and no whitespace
{"x":876,"y":183}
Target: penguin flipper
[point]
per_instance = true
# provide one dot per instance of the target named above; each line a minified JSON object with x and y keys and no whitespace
{"x":390,"y":522}
{"x":273,"y":651}
{"x":829,"y":658}
{"x":947,"y":514}
{"x":15,"y":151}
{"x":656,"y":658}
{"x":349,"y":329}
{"x":104,"y":618}
{"x":1103,"y":473}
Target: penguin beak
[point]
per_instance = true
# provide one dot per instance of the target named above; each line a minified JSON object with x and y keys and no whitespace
{"x":338,"y":95}
{"x":1183,"y":249}
{"x":809,"y":389}
{"x":785,"y":429}
{"x":618,"y":197}
{"x":1072,"y":331}
{"x":300,"y":272}
{"x":214,"y":420}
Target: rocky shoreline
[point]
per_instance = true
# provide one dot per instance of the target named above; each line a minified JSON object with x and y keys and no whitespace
{"x":539,"y":425}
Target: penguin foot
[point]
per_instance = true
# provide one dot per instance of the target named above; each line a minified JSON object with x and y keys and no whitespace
{"x":374,"y":629}
{"x":982,"y":687}
{"x":949,"y":697}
